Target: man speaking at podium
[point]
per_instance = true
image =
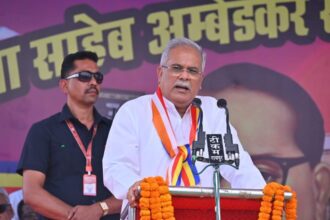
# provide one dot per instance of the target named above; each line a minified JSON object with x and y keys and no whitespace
{"x":150,"y":133}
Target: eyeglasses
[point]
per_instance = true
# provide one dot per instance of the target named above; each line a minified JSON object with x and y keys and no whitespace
{"x":276,"y":168}
{"x":178,"y":69}
{"x":86,"y":76}
{"x":3,"y":207}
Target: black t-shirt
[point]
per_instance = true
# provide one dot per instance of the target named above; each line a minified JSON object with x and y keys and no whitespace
{"x":51,"y":149}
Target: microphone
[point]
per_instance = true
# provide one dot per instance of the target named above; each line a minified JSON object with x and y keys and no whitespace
{"x":199,"y":144}
{"x":231,"y":149}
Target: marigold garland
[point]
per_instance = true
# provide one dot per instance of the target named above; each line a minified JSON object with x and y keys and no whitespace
{"x":155,"y":201}
{"x":273,"y":203}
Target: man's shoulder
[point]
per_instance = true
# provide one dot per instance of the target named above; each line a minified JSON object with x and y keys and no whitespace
{"x":139,"y":102}
{"x":209,"y":105}
{"x":106,"y":121}
{"x":47,"y":122}
{"x":207,"y":100}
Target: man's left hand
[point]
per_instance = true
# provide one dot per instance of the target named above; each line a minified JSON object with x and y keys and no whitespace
{"x":81,"y":212}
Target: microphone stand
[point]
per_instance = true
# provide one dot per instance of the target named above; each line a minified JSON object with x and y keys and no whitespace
{"x":217,"y":156}
{"x":216,"y":180}
{"x":197,"y":151}
{"x":216,"y":185}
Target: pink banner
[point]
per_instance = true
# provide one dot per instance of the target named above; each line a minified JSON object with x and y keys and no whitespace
{"x":260,"y":54}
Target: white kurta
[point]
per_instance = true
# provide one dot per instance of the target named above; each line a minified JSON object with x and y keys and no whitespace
{"x":134,"y":150}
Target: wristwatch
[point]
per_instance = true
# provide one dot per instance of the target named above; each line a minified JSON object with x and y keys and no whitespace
{"x":104,"y":207}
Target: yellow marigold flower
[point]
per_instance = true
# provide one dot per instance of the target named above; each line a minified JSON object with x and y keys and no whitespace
{"x":265,"y":209}
{"x":154,"y":200}
{"x":150,"y":180}
{"x":160,"y":180}
{"x":266,"y":203}
{"x":156,"y":210}
{"x":277,"y":212}
{"x":155,"y":207}
{"x":279,"y":197}
{"x":154,"y":186}
{"x":145,"y":193}
{"x":144,"y":200}
{"x":264,"y":215}
{"x":168,"y":209}
{"x":275,"y":217}
{"x":278,"y":203}
{"x":154,"y":194}
{"x":167,"y":215}
{"x":267,"y":198}
{"x":163,"y":189}
{"x":273,"y":202}
{"x":157,"y":215}
{"x":291,"y":205}
{"x":165,"y":198}
{"x":144,"y":212}
{"x":167,"y":203}
{"x":143,"y":205}
{"x":145,"y":186}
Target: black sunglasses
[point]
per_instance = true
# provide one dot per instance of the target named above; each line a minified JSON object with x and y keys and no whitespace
{"x":86,"y":76}
{"x":3,"y":207}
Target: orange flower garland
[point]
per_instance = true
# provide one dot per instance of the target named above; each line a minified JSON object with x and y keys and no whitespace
{"x":273,"y":203}
{"x":155,"y":201}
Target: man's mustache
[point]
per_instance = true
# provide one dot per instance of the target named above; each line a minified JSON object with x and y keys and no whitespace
{"x":92,"y":89}
{"x":184,"y":84}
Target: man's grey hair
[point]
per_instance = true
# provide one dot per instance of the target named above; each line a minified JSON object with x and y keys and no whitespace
{"x":182,"y":42}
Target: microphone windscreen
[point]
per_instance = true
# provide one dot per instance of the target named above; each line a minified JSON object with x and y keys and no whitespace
{"x":222,"y":103}
{"x":197,"y":102}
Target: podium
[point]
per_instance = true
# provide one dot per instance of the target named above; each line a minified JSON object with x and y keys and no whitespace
{"x":198,"y":203}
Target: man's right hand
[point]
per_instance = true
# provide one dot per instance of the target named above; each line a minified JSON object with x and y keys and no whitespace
{"x":40,"y":200}
{"x":133,"y":194}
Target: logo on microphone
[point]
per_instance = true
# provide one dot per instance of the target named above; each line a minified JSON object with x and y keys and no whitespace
{"x":215,"y":147}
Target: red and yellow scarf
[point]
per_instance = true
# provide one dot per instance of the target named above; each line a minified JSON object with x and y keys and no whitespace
{"x":181,"y":172}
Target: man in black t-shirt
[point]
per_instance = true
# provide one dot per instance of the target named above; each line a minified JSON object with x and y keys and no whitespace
{"x":61,"y":161}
